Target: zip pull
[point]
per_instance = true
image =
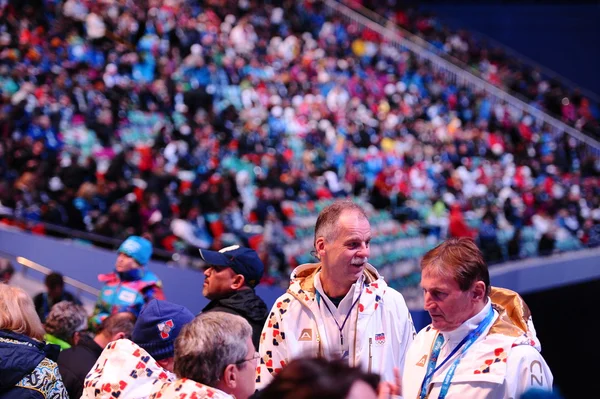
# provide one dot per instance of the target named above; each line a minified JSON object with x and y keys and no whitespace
{"x":370,"y":354}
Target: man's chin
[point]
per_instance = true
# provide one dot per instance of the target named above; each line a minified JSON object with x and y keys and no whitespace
{"x":438,"y":323}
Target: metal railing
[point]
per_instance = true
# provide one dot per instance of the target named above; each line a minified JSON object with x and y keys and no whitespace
{"x":28,"y":265}
{"x":78,"y":285}
{"x":403,"y":39}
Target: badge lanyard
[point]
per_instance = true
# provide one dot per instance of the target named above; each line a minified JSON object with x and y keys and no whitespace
{"x":466,"y":342}
{"x":341,"y":328}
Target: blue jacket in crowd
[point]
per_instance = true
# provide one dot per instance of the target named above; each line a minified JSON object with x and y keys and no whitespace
{"x":28,"y":369}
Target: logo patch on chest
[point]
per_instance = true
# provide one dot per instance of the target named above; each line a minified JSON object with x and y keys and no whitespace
{"x":306,"y":335}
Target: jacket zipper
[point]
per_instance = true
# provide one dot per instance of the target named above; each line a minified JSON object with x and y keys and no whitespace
{"x":319,"y":344}
{"x":370,"y":353}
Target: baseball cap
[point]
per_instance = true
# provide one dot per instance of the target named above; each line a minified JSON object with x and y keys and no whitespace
{"x":244,"y":261}
{"x":138,"y":248}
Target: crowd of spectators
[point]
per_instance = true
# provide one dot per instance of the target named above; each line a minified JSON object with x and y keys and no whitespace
{"x":190,"y":122}
{"x":495,"y":65}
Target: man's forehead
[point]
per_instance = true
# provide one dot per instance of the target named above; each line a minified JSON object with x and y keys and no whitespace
{"x":431,"y":279}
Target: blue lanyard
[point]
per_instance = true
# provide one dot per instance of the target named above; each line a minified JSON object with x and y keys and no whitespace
{"x":466,"y":342}
{"x":347,"y":316}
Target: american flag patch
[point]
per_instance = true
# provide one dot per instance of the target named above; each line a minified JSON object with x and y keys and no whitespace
{"x":380,"y":338}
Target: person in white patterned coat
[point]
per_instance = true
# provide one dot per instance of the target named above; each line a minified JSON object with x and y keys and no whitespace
{"x":481,"y":342}
{"x":339,"y":308}
{"x":214,"y":358}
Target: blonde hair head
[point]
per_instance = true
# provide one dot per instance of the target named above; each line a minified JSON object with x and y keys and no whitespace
{"x":17,"y":313}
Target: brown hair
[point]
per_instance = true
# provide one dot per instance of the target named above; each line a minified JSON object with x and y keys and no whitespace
{"x":459,"y":259}
{"x":116,"y":323}
{"x":17,"y":313}
{"x":329,"y":216}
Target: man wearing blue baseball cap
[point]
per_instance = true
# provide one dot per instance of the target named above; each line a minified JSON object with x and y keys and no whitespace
{"x":131,"y":285}
{"x":230,"y":277}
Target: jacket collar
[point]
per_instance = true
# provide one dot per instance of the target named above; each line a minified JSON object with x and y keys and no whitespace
{"x":87,"y":342}
{"x":303,"y":277}
{"x":190,"y":387}
{"x":455,"y":336}
{"x":49,"y":350}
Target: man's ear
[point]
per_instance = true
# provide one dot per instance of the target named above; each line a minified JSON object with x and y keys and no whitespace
{"x":230,"y":377}
{"x":76,"y":337}
{"x":119,"y":335}
{"x":320,"y":247}
{"x":238,"y":282}
{"x":478,"y":291}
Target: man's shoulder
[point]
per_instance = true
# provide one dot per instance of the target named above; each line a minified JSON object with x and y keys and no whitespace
{"x":390,"y":294}
{"x":283,"y":303}
{"x":86,"y":349}
{"x":71,"y":298}
{"x":38,"y":299}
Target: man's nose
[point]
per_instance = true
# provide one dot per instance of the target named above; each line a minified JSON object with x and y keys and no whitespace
{"x":364,"y":251}
{"x":427,"y":302}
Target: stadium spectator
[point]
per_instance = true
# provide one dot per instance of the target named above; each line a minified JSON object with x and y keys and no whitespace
{"x":135,"y":368}
{"x":495,"y":65}
{"x":229,"y":280}
{"x":76,"y":362}
{"x":485,"y":338}
{"x":65,"y":324}
{"x":167,"y":118}
{"x":131,"y":285}
{"x":55,"y":293}
{"x":7,"y":271}
{"x":214,"y":358}
{"x":28,"y":368}
{"x":315,"y":316}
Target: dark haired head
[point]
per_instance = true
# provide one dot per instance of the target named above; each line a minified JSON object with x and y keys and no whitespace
{"x":316,"y":378}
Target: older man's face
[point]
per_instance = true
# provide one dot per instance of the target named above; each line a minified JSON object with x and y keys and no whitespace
{"x":347,"y":252}
{"x":446,"y":303}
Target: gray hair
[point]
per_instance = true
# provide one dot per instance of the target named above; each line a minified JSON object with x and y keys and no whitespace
{"x":208,"y":344}
{"x":65,"y":319}
{"x":327,"y":220}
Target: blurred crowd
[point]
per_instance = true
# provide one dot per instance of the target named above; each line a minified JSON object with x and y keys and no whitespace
{"x":190,"y":122}
{"x":495,"y":65}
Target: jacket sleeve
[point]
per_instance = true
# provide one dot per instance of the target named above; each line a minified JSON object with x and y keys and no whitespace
{"x":525,"y":369}
{"x":404,"y":329}
{"x":273,"y":348}
{"x":154,"y":292}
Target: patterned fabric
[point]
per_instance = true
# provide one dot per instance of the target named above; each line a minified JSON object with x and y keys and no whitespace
{"x":188,"y":389}
{"x":124,"y":370}
{"x":379,"y":330}
{"x":46,"y":380}
{"x":503,"y":363}
{"x":500,"y":355}
{"x":25,"y":369}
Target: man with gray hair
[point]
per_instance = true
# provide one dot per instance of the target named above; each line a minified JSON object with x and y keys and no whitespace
{"x":339,"y":308}
{"x":64,"y":323}
{"x":214,"y":358}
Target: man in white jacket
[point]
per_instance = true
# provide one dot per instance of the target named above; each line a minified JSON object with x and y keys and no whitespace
{"x":481,"y":342}
{"x":339,"y":308}
{"x":134,"y":369}
{"x":214,"y":358}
